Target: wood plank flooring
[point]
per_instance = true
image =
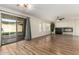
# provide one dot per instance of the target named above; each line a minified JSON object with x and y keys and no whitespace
{"x":47,"y":45}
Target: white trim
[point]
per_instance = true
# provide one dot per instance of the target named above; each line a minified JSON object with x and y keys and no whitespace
{"x":10,"y":13}
{"x":0,"y":28}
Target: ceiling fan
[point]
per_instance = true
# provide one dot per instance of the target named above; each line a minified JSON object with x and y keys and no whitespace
{"x":59,"y":18}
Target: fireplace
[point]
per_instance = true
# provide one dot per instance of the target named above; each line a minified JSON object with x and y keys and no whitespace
{"x":67,"y":29}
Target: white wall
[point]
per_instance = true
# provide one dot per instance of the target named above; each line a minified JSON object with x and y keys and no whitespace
{"x":70,"y":21}
{"x":39,"y":27}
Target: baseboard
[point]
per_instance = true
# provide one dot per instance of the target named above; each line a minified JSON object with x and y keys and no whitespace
{"x":41,"y":36}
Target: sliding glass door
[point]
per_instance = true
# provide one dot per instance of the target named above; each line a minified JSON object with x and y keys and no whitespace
{"x":12,"y":29}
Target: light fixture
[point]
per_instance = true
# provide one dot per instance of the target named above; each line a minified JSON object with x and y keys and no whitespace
{"x":24,"y":5}
{"x":59,"y":18}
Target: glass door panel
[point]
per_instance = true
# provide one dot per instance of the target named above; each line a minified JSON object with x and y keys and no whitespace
{"x":8,"y":31}
{"x":20,"y":28}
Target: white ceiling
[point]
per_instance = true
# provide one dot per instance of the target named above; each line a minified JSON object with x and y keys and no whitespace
{"x":47,"y":11}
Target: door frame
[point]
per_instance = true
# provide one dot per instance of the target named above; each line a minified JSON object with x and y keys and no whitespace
{"x":0,"y":28}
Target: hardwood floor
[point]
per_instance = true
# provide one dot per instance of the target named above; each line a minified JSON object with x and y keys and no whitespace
{"x":47,"y":45}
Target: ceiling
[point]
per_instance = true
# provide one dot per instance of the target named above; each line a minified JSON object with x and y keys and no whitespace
{"x":47,"y":11}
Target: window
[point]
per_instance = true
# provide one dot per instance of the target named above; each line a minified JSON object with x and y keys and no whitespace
{"x":48,"y":27}
{"x":44,"y":27}
{"x":40,"y":27}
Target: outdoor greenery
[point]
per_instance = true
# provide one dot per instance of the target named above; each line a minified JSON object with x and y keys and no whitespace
{"x":7,"y":33}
